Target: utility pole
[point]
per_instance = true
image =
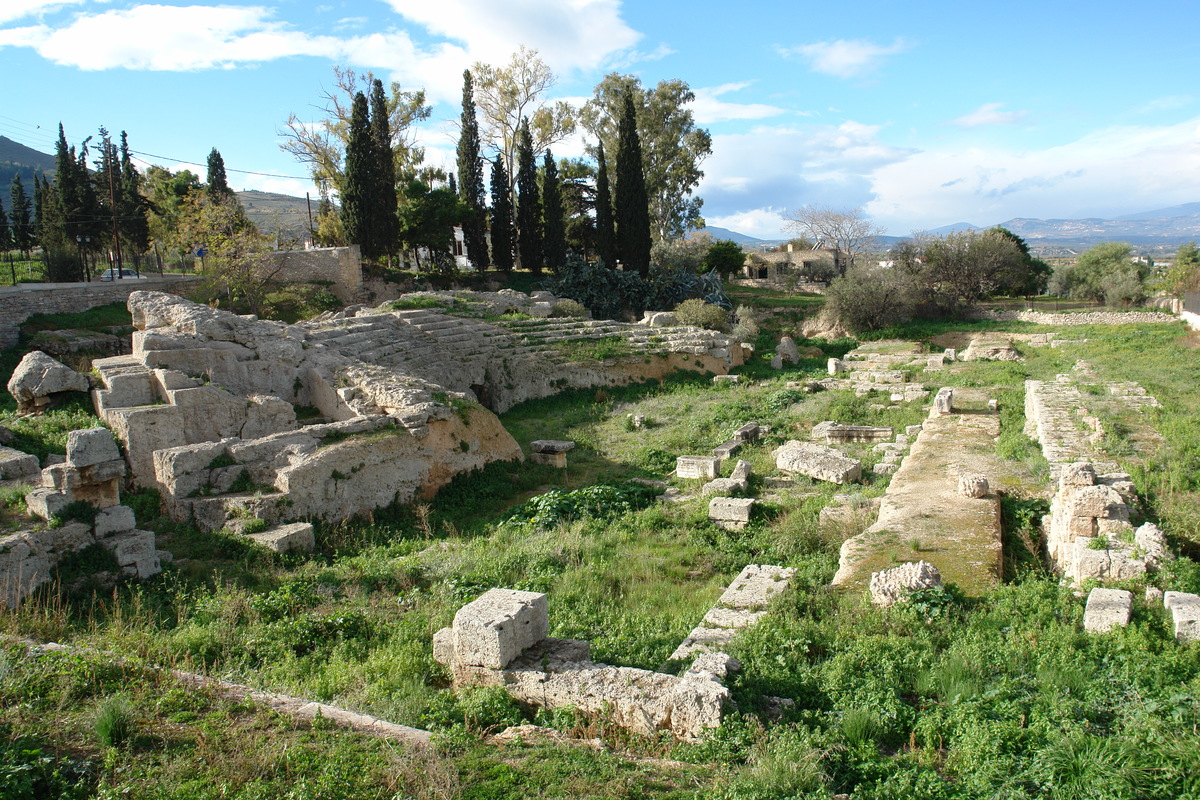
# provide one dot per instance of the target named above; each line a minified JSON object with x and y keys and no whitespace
{"x":112,"y":202}
{"x":311,"y":233}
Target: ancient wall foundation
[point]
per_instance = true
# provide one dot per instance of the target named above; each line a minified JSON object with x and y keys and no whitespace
{"x":342,"y":266}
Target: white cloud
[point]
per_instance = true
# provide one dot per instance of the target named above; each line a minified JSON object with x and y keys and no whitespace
{"x":709,"y":108}
{"x":1116,"y":170}
{"x":845,"y":58}
{"x":17,"y":9}
{"x":761,"y":223}
{"x":989,"y":114}
{"x":568,"y":34}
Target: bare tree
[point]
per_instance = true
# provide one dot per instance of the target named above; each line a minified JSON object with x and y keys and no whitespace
{"x":848,"y":234}
{"x":506,"y":95}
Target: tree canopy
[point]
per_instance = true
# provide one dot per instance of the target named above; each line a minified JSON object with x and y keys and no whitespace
{"x":630,"y":206}
{"x":848,"y":233}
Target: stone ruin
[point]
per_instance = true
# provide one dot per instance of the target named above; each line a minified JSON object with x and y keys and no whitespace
{"x":891,"y":586}
{"x":502,"y":639}
{"x":817,"y":461}
{"x":91,"y":474}
{"x":233,"y":417}
{"x":877,"y":367}
{"x":39,"y":380}
{"x":1088,"y":532}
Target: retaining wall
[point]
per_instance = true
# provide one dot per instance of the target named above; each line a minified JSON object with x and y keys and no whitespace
{"x":341,"y":265}
{"x":1081,"y":317}
{"x":19,"y":303}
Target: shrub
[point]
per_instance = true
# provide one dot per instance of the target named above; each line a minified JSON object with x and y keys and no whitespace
{"x":700,"y":314}
{"x":114,"y":722}
{"x":745,"y":328}
{"x":568,"y":308}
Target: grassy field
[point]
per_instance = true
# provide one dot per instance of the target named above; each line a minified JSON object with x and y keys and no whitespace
{"x":1001,"y":696}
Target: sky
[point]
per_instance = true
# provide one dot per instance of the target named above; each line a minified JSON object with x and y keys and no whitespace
{"x":923,"y":114}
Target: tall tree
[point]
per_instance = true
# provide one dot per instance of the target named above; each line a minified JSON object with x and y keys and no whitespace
{"x":502,"y":217}
{"x":20,"y":217}
{"x":6,"y":241}
{"x":427,"y":218}
{"x":529,"y":205}
{"x":218,"y":186}
{"x":554,"y":235}
{"x":470,"y":177}
{"x":134,"y":209}
{"x":673,"y":147}
{"x":606,"y":232}
{"x":631,"y":207}
{"x":322,"y":146}
{"x":847,"y":233}
{"x":387,"y":225}
{"x":513,"y":95}
{"x":357,"y":193}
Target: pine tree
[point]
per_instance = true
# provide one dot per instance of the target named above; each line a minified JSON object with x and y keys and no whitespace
{"x":356,"y":198}
{"x":470,"y":176}
{"x":606,"y":234}
{"x":133,"y":207}
{"x":218,"y":186}
{"x":383,"y":210}
{"x":502,"y":217}
{"x":632,"y":207}
{"x":554,"y":242}
{"x":6,"y":242}
{"x":21,"y":222}
{"x":529,"y":204}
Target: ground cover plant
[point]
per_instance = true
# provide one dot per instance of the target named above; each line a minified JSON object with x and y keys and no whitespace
{"x":942,"y":697}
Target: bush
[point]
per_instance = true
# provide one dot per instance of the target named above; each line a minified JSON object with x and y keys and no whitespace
{"x":745,"y":327}
{"x":568,"y":308}
{"x":114,"y":722}
{"x":702,"y":315}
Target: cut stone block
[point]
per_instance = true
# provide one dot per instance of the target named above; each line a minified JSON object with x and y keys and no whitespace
{"x":817,"y":461}
{"x":836,"y":365}
{"x":496,"y":628}
{"x":727,"y":449}
{"x":974,"y":486}
{"x":697,"y":467}
{"x":297,"y":536}
{"x":748,"y":432}
{"x":730,"y":510}
{"x":1107,"y":609}
{"x":15,"y":465}
{"x":727,"y":378}
{"x":558,"y":460}
{"x":39,"y":376}
{"x":835,"y":433}
{"x":1185,"y":613}
{"x":131,"y":547}
{"x":86,"y":448}
{"x":551,"y":446}
{"x":46,"y":503}
{"x":890,"y":586}
{"x":943,"y":402}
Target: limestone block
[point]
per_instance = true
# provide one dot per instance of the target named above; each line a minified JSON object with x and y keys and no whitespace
{"x":727,"y":378}
{"x":950,"y":354}
{"x":46,"y":503}
{"x":1153,"y":595}
{"x":741,"y":471}
{"x":817,"y":461}
{"x":21,"y":571}
{"x":717,"y":665}
{"x":1185,"y":613}
{"x":787,"y":350}
{"x":727,"y":449}
{"x":494,"y":629}
{"x":38,"y":375}
{"x":1152,"y":543}
{"x":1095,"y":502}
{"x":443,"y":646}
{"x":748,"y":432}
{"x":86,"y":448}
{"x":912,"y":431}
{"x":833,"y":432}
{"x":130,"y":547}
{"x":15,"y":465}
{"x":974,"y":486}
{"x":557,"y":460}
{"x":730,"y":509}
{"x":297,"y":536}
{"x":724,"y":486}
{"x":660,"y":319}
{"x":56,"y":542}
{"x":114,"y":519}
{"x":540,"y":310}
{"x":755,"y":586}
{"x":1107,"y":609}
{"x":1080,"y":473}
{"x":935,"y":362}
{"x":551,"y":446}
{"x":885,"y":468}
{"x":776,"y":361}
{"x":266,"y":414}
{"x":943,"y":402}
{"x":890,"y":586}
{"x":836,"y":365}
{"x":697,"y":467}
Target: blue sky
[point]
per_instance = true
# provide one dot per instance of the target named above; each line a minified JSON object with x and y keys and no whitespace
{"x":923,"y":113}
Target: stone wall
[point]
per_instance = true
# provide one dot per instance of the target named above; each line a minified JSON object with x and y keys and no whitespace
{"x":341,"y":265}
{"x":1080,"y":318}
{"x":19,"y":303}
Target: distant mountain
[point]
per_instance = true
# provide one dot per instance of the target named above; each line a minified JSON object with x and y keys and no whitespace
{"x":1137,"y":229}
{"x":17,"y":159}
{"x":277,"y":214}
{"x":1185,"y":210}
{"x":724,"y":234}
{"x":954,"y":227}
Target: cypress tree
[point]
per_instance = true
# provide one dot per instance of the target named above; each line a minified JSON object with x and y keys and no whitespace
{"x":529,"y":204}
{"x":470,"y":177}
{"x":502,"y":217}
{"x":6,"y":242}
{"x":357,"y":195}
{"x":218,"y":186}
{"x":135,"y":226}
{"x":21,"y":222}
{"x":554,"y":243}
{"x":383,"y":210}
{"x":606,"y":235}
{"x":632,"y":207}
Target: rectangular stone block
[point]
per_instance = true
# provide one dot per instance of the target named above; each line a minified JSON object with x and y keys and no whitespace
{"x":558,"y":460}
{"x":60,"y":541}
{"x":697,"y":467}
{"x":1185,"y":613}
{"x":297,"y":536}
{"x":748,"y":432}
{"x":1107,"y":609}
{"x":91,"y":446}
{"x":551,"y":446}
{"x":730,"y":509}
{"x":15,"y":465}
{"x":45,"y":503}
{"x":727,"y":449}
{"x":493,"y":630}
{"x":817,"y":461}
{"x":131,"y":547}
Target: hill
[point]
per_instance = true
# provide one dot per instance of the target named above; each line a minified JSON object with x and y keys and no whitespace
{"x":277,"y":214}
{"x":17,"y":159}
{"x":724,"y":234}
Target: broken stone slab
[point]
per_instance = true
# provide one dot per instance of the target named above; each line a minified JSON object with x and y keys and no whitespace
{"x":727,"y":449}
{"x":551,"y":446}
{"x":494,"y":629}
{"x":885,"y":468}
{"x":1185,"y":613}
{"x":15,"y":465}
{"x":836,"y":365}
{"x":697,"y":467}
{"x":741,"y":604}
{"x":731,"y":512}
{"x":727,"y":378}
{"x":1079,"y":473}
{"x":713,"y":666}
{"x":832,"y":432}
{"x":817,"y":461}
{"x":297,"y":537}
{"x":787,"y":350}
{"x":46,"y":503}
{"x":973,"y":486}
{"x":776,"y":361}
{"x":1153,"y":544}
{"x":86,"y":448}
{"x":39,"y":376}
{"x":1107,"y":609}
{"x":748,"y":432}
{"x":890,"y":586}
{"x":114,"y":519}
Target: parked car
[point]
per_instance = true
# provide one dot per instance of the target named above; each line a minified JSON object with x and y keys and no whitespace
{"x":111,"y":274}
